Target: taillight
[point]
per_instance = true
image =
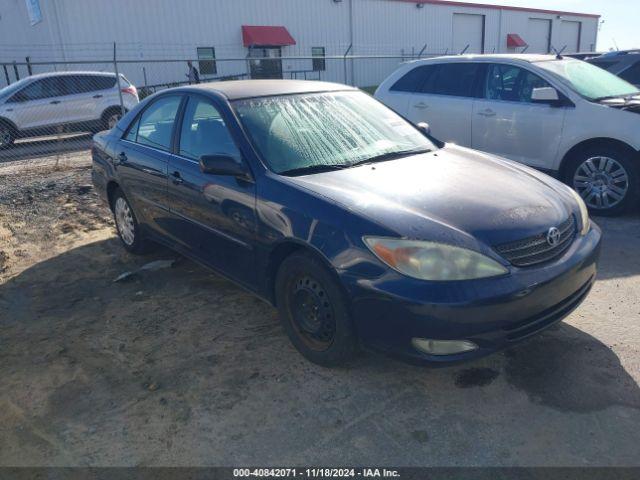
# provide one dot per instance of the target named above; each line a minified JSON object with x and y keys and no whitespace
{"x":131,"y":90}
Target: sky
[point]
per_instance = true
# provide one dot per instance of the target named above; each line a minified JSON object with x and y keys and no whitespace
{"x":621,"y":24}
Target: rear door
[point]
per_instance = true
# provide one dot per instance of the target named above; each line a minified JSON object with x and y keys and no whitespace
{"x":213,"y":216}
{"x":40,"y":104}
{"x":446,"y":100}
{"x":85,"y":94}
{"x":506,"y":122}
{"x":142,"y":160}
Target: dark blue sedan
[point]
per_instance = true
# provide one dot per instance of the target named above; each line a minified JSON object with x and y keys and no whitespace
{"x":357,"y":225}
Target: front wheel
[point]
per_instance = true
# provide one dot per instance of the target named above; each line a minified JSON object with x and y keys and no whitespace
{"x":7,"y":135}
{"x":607,"y":179}
{"x":314,"y":311}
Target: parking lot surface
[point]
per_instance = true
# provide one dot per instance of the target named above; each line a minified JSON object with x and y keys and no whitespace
{"x":173,"y":365}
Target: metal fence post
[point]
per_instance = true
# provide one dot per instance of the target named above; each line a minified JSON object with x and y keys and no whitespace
{"x":6,"y":73}
{"x":115,"y":67}
{"x":344,"y":59}
{"x":15,"y":70}
{"x":28,"y":61}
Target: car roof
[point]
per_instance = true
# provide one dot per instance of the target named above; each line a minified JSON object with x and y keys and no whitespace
{"x":239,"y":89}
{"x":524,"y":57}
{"x":64,"y":74}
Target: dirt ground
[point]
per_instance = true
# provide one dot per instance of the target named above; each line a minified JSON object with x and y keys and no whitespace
{"x":176,"y":366}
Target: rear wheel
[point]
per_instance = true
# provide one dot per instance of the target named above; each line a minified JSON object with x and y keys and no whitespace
{"x":111,"y":117}
{"x":606,"y":178}
{"x":314,"y":311}
{"x":129,"y":230}
{"x":7,"y":135}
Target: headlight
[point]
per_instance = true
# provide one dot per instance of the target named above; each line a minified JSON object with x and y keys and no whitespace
{"x":433,"y":261}
{"x":584,"y":212}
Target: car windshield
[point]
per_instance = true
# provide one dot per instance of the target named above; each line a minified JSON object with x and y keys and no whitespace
{"x":590,"y":81}
{"x":14,"y":87}
{"x":298,"y":134}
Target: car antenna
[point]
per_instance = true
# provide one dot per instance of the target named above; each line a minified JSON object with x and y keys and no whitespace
{"x":559,"y":53}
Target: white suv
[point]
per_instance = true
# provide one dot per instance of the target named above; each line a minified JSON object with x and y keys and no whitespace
{"x":560,"y":115}
{"x":42,"y":104}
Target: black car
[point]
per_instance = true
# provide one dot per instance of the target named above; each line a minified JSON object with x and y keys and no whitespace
{"x":357,"y":225}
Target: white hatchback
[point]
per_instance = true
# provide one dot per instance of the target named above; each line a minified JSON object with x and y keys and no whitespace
{"x":561,"y":115}
{"x":45,"y":103}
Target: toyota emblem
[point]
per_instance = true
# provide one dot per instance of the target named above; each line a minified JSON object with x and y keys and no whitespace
{"x":553,"y":236}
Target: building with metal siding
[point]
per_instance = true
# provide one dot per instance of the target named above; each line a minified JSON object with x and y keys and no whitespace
{"x":165,"y":29}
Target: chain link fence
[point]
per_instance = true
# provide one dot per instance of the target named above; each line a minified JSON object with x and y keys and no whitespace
{"x":49,"y":110}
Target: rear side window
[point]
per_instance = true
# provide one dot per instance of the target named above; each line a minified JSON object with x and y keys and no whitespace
{"x":154,"y":127}
{"x":75,"y":84}
{"x":632,"y":74}
{"x":511,"y":84}
{"x":455,"y":79}
{"x":413,"y":80}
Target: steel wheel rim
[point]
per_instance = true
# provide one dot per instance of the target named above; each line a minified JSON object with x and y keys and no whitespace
{"x":312,"y":313}
{"x":5,"y":136}
{"x":124,"y":221}
{"x":112,"y":120}
{"x":602,"y":182}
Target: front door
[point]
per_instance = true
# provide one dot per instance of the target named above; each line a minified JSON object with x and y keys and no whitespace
{"x":213,"y":216}
{"x":265,"y":62}
{"x":40,"y":104}
{"x":506,"y":122}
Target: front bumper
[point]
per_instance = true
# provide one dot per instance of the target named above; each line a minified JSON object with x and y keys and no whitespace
{"x":493,"y":313}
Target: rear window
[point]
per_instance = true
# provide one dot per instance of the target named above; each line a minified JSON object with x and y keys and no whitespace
{"x":454,"y":79}
{"x":413,"y":80}
{"x":632,"y":74}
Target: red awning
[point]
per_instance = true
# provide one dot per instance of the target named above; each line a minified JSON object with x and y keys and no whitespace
{"x":514,"y":40}
{"x":266,"y":36}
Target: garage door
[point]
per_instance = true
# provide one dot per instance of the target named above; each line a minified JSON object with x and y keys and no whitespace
{"x":538,"y":35}
{"x":569,"y":36}
{"x":468,"y":30}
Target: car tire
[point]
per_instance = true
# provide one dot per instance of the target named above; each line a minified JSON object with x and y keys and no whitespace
{"x":606,"y":177}
{"x":314,"y":311}
{"x":127,"y":226}
{"x":7,"y":135}
{"x":110,"y":117}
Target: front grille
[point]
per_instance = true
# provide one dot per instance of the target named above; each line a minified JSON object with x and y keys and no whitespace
{"x":535,"y":250}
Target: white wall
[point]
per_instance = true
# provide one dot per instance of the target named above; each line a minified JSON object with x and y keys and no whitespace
{"x":172,"y":29}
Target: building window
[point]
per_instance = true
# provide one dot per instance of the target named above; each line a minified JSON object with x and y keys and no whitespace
{"x":318,"y":63}
{"x":207,"y":60}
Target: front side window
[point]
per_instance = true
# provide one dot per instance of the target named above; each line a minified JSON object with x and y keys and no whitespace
{"x":590,"y":81}
{"x":318,"y":63}
{"x":327,"y":130}
{"x":413,"y":80}
{"x":154,"y":127}
{"x":454,"y":79}
{"x":207,"y":60}
{"x":511,"y":84}
{"x":40,"y":89}
{"x":204,"y":132}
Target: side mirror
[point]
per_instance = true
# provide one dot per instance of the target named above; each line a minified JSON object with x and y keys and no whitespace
{"x":223,"y":165}
{"x":545,"y":95}
{"x":424,"y":128}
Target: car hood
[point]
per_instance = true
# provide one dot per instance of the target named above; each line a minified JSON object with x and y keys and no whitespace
{"x":455,"y":195}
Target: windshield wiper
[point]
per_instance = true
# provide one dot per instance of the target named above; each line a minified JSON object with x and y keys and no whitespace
{"x":625,"y":97}
{"x":389,"y":156}
{"x":311,"y":169}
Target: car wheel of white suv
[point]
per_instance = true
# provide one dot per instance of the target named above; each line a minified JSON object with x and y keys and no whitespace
{"x":606,"y":178}
{"x":7,"y":135}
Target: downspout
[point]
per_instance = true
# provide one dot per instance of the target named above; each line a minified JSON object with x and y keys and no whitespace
{"x":59,"y":31}
{"x":500,"y":33}
{"x":351,"y":36}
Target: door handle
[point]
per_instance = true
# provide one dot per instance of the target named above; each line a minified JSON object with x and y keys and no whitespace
{"x":421,"y":105}
{"x":54,"y":102}
{"x":122,"y":158}
{"x":97,"y":96}
{"x":487,"y":113}
{"x":177,"y":179}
